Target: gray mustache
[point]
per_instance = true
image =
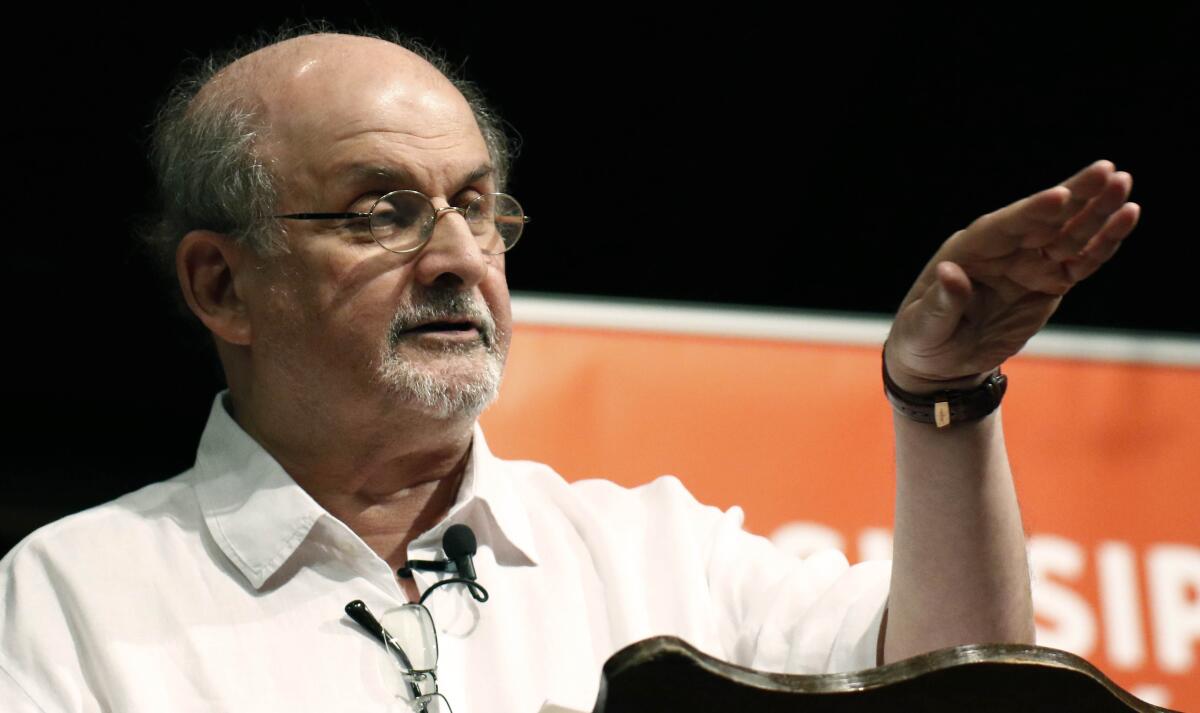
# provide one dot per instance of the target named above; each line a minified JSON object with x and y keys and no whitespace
{"x":439,"y":307}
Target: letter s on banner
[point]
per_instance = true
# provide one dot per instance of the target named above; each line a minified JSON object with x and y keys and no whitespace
{"x":1072,"y":624}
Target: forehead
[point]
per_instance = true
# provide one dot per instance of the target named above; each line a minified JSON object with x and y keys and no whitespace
{"x":359,"y":109}
{"x":396,"y":176}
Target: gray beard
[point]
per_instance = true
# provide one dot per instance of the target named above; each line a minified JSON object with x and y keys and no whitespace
{"x":425,"y":382}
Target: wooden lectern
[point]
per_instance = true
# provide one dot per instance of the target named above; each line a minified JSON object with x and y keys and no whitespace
{"x":667,"y":675}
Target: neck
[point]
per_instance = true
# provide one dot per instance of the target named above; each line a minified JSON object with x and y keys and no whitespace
{"x":388,"y":478}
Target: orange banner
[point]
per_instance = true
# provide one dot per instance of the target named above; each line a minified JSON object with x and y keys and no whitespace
{"x":799,"y":435}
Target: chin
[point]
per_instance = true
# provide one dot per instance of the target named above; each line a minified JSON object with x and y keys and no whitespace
{"x":453,"y":387}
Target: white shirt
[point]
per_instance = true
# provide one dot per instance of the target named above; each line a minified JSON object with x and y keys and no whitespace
{"x":223,"y":589}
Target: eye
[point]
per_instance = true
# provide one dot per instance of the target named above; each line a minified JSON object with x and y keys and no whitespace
{"x":359,"y":227}
{"x":363,"y":203}
{"x":463,"y":199}
{"x":401,"y":211}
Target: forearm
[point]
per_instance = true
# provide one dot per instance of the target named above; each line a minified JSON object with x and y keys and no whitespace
{"x":959,"y":572}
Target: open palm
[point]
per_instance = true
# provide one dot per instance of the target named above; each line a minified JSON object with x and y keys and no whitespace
{"x":993,"y":285}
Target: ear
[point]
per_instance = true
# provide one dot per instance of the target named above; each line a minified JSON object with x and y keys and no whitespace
{"x":208,"y":264}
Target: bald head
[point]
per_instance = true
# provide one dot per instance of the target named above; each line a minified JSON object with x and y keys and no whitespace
{"x":327,"y":101}
{"x":279,"y":63}
{"x":227,"y":136}
{"x":329,"y":71}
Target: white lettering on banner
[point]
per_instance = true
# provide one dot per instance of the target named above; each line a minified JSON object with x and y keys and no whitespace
{"x":1174,"y":572}
{"x":1066,"y":618}
{"x":875,"y":543}
{"x":804,"y":538}
{"x":1120,"y":605}
{"x":1072,"y":625}
{"x":1153,"y":694}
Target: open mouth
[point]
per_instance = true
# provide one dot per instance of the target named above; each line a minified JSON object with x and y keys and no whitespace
{"x":461,"y":332}
{"x":444,"y":324}
{"x":444,"y":327}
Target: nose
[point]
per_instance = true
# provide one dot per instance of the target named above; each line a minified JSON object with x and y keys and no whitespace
{"x":452,"y":257}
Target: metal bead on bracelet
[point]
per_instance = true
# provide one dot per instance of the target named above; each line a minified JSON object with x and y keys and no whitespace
{"x":947,"y":406}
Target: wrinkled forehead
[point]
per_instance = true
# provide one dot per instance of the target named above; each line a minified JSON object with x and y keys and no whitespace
{"x":337,"y":100}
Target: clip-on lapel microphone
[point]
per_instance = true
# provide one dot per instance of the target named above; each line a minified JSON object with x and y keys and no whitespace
{"x":459,"y":545}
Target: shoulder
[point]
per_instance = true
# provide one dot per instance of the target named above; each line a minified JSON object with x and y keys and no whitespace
{"x":660,"y":510}
{"x":73,"y":583}
{"x":539,"y":479}
{"x":116,"y":529}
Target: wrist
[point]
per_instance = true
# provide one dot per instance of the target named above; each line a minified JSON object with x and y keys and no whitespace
{"x":928,"y":384}
{"x":947,"y":402}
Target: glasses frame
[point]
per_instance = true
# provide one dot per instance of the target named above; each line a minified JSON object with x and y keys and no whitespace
{"x":414,"y":676}
{"x":426,"y":618}
{"x":420,"y":700}
{"x":426,"y":230}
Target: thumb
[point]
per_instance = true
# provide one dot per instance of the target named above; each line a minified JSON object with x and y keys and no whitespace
{"x":943,"y":304}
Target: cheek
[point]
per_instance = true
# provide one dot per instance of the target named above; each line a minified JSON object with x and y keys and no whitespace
{"x":350,"y":287}
{"x":335,"y":306}
{"x":495,"y":294}
{"x":277,"y":308}
{"x":495,"y":287}
{"x":335,"y":274}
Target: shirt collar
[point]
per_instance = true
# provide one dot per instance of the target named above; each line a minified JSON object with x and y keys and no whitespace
{"x":487,"y":502}
{"x":258,"y":516}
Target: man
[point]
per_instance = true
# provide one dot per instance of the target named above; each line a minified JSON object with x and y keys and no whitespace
{"x":359,"y":348}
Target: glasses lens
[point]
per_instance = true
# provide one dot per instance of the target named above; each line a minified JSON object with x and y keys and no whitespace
{"x":435,"y":703}
{"x":497,"y":220}
{"x":399,"y":220}
{"x":411,"y":629}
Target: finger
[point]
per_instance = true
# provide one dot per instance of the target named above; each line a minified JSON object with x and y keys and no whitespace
{"x":1033,"y":218}
{"x":1105,"y":243}
{"x":941,"y":307}
{"x":1035,"y":221}
{"x":1031,"y":271}
{"x":1084,"y":186}
{"x":1087,"y":184}
{"x":1081,"y":228}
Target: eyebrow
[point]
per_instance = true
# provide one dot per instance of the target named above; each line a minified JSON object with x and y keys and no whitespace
{"x":396,"y":176}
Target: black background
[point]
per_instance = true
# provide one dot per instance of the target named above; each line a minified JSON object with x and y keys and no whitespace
{"x":802,"y":159}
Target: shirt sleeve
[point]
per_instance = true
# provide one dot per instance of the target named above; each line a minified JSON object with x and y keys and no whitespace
{"x":784,"y":614}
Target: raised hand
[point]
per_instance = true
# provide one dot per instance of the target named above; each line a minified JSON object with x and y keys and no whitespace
{"x":992,"y":286}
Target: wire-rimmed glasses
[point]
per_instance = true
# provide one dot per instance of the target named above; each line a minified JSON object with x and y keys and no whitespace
{"x":408,"y":634}
{"x":403,"y":221}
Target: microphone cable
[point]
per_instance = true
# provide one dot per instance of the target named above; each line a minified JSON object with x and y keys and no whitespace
{"x":459,"y":545}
